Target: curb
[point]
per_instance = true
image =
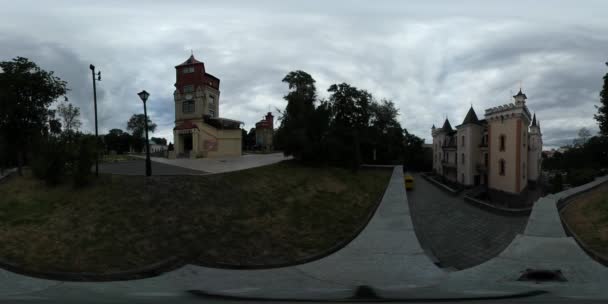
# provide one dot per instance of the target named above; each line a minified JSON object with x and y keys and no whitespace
{"x":562,"y":204}
{"x":147,"y":271}
{"x":498,"y":210}
{"x":440,"y":185}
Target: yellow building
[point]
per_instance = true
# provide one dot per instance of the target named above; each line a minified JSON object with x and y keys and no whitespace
{"x":502,"y":151}
{"x":199,"y":131}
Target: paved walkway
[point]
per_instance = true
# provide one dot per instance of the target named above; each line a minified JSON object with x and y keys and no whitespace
{"x":138,"y":167}
{"x":224,"y":164}
{"x":457,"y":234}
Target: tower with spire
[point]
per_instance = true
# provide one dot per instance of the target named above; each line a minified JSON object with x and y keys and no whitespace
{"x":502,"y":151}
{"x":197,"y":122}
{"x":535,"y":150}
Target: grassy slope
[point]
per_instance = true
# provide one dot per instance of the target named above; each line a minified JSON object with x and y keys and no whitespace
{"x":279,"y":213}
{"x":587,"y":215}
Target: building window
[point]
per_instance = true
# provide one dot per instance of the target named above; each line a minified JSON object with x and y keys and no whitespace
{"x":502,"y":142}
{"x":188,"y":88}
{"x":188,"y":106}
{"x":485,"y":159}
{"x":463,"y":140}
{"x":188,"y":70}
{"x":501,"y":166}
{"x":524,"y":139}
{"x":524,"y":171}
{"x":462,"y":158}
{"x":211,"y":113}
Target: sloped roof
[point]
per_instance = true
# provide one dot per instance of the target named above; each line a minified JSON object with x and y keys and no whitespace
{"x":186,"y":125}
{"x":189,"y":61}
{"x":446,"y":126}
{"x":520,"y":94}
{"x":534,"y":120}
{"x":471,"y":117}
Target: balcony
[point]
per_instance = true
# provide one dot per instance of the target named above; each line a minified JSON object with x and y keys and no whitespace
{"x":451,"y":147}
{"x":483,"y":145}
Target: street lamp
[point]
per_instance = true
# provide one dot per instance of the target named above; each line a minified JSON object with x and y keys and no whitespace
{"x":92,"y":67}
{"x":144,"y":96}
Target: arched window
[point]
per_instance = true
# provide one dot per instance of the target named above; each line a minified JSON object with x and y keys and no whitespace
{"x":462,"y":158}
{"x":188,"y":106}
{"x":501,"y":167}
{"x":463,"y":140}
{"x":503,"y":140}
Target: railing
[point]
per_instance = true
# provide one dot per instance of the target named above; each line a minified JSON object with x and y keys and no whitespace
{"x":483,"y":145}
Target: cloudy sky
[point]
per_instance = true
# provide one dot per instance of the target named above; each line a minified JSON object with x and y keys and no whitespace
{"x":432,"y":58}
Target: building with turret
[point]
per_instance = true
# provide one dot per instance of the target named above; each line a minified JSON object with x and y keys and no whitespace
{"x":264,"y":132}
{"x":199,"y":130}
{"x":501,"y":151}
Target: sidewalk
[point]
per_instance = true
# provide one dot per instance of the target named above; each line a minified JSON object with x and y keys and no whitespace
{"x":224,"y":164}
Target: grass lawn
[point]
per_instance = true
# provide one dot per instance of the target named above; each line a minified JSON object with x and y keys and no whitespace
{"x":116,"y":158}
{"x":279,"y":213}
{"x":587,"y":216}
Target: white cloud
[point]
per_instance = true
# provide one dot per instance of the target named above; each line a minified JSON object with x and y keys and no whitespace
{"x":432,"y":59}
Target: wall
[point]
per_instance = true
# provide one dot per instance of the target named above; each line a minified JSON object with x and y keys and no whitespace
{"x":507,"y":127}
{"x":472,"y":135}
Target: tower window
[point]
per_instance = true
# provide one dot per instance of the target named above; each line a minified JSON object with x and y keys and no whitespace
{"x":188,"y":70}
{"x":502,"y":142}
{"x":501,"y":166}
{"x":188,"y":106}
{"x":462,"y":158}
{"x":188,"y":88}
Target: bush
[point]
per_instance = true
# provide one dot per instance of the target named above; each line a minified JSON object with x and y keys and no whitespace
{"x":557,"y":183}
{"x":50,"y":162}
{"x":83,"y":162}
{"x":577,"y":177}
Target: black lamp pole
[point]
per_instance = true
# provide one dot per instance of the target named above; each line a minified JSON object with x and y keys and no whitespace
{"x":144,"y":96}
{"x":92,"y":67}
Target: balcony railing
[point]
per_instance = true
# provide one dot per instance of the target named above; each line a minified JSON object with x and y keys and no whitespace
{"x":483,"y":145}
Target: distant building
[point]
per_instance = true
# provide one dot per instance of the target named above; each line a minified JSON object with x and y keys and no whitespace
{"x":156,"y":148}
{"x":502,"y":151}
{"x":199,"y":131}
{"x":264,"y":132}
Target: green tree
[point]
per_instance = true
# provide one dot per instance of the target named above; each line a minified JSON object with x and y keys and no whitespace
{"x":350,"y":109}
{"x":26,"y":92}
{"x":385,"y":132}
{"x":137,"y":125}
{"x":159,"y":140}
{"x":70,"y":117}
{"x":117,"y":140}
{"x":602,"y":110}
{"x":294,"y":131}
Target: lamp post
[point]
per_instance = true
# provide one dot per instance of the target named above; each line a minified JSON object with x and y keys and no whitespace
{"x":92,"y":67}
{"x":144,"y":96}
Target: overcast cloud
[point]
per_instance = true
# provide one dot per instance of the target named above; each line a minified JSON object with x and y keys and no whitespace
{"x":432,"y":59}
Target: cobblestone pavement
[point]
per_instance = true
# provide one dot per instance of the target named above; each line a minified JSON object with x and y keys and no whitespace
{"x":455,"y":233}
{"x":138,"y":167}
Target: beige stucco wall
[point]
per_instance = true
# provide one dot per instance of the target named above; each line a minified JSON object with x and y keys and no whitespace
{"x":508,"y":128}
{"x":228,"y":142}
{"x":201,"y":103}
{"x":472,"y":138}
{"x":534,"y":154}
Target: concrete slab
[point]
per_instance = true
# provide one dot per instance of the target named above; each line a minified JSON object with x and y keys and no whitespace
{"x":545,"y":220}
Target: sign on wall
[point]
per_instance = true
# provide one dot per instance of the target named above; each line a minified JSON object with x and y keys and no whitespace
{"x":211,"y":145}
